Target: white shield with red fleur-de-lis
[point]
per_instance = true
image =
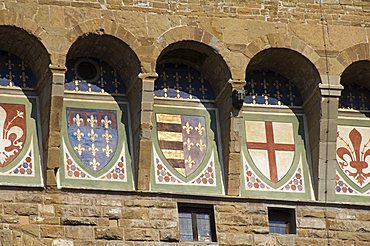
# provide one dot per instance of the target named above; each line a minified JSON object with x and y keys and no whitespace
{"x":12,"y":132}
{"x":271,"y":146}
{"x":353,"y":153}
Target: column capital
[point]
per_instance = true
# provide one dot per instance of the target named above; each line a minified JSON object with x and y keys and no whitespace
{"x":328,"y":90}
{"x":57,"y":68}
{"x":148,"y":76}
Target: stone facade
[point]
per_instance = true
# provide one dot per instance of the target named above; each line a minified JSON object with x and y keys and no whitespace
{"x":319,"y":45}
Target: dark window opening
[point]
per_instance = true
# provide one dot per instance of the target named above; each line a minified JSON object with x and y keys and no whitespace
{"x":197,"y":223}
{"x":87,"y":70}
{"x":282,"y":220}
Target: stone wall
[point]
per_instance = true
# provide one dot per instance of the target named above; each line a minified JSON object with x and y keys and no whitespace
{"x":73,"y":218}
{"x":331,"y":34}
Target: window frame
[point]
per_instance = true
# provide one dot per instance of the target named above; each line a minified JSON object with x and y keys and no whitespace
{"x":194,"y":210}
{"x":287,"y":215}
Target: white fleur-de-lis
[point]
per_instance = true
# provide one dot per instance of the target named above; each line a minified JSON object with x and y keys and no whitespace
{"x":106,"y":122}
{"x":200,"y":129}
{"x":107,"y":150}
{"x":188,"y":144}
{"x":187,"y":128}
{"x":107,"y":136}
{"x":201,"y":145}
{"x":189,"y":161}
{"x":92,"y":135}
{"x":94,"y":163}
{"x":78,"y":134}
{"x":5,"y":132}
{"x":93,"y":149}
{"x":79,"y":149}
{"x":77,"y":120}
{"x":92,"y":121}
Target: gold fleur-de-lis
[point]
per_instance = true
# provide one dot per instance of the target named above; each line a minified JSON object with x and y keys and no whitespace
{"x":93,"y":149}
{"x":77,"y":120}
{"x":187,"y":127}
{"x":78,"y":134}
{"x":189,"y":162}
{"x":188,"y":144}
{"x":107,"y":136}
{"x":107,"y":150}
{"x":201,"y":145}
{"x":92,"y":121}
{"x":94,"y":163}
{"x":106,"y":122}
{"x":79,"y":149}
{"x":200,"y":129}
{"x":92,"y":135}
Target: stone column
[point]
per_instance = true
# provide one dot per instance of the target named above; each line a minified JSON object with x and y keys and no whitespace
{"x":55,"y":120}
{"x":146,"y":126}
{"x":230,"y":121}
{"x":328,"y":137}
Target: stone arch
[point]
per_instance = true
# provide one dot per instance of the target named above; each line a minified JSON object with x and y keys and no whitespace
{"x":353,"y":54}
{"x":12,"y":18}
{"x":15,"y":25}
{"x":283,"y":40}
{"x":186,"y":33}
{"x":102,"y":27}
{"x":209,"y":62}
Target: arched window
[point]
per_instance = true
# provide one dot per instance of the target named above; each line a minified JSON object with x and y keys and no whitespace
{"x":23,"y":89}
{"x":353,"y":169}
{"x":186,"y":137}
{"x":96,"y":135}
{"x":274,"y":136}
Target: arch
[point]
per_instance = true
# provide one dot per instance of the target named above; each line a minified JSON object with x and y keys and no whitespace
{"x":353,"y":54}
{"x":355,"y":80}
{"x":283,"y":40}
{"x":186,"y":33}
{"x":102,"y":27}
{"x":204,"y":57}
{"x":12,"y":18}
{"x":275,"y":75}
{"x":100,"y":67}
{"x":26,"y":59}
{"x":289,"y":63}
{"x":110,"y":49}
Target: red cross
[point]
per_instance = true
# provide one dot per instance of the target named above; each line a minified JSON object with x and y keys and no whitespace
{"x":271,"y":147}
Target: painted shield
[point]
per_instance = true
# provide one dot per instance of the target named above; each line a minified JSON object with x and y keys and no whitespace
{"x":353,"y":153}
{"x":271,"y":147}
{"x":183,"y":141}
{"x":12,"y":131}
{"x":93,"y":135}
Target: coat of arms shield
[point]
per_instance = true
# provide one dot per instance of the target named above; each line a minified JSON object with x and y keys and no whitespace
{"x":13,"y":132}
{"x":93,"y":136}
{"x":182,"y":140}
{"x":271,"y":146}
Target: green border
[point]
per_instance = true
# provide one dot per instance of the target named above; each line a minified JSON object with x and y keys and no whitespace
{"x":31,"y":105}
{"x":366,"y":188}
{"x":298,"y":127}
{"x":122,"y":135}
{"x":209,"y":115}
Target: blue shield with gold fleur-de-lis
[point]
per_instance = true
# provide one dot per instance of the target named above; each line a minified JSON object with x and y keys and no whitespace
{"x":93,"y":135}
{"x":182,"y":140}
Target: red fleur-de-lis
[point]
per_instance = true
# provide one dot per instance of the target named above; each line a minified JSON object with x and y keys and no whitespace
{"x":356,"y":155}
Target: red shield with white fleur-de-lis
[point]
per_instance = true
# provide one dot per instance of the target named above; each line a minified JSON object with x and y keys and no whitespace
{"x":12,"y":132}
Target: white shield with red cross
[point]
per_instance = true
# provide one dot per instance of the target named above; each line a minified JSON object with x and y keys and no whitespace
{"x":271,"y":147}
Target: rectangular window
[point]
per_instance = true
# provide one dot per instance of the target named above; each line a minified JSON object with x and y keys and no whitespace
{"x":196,"y":222}
{"x":282,"y":220}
